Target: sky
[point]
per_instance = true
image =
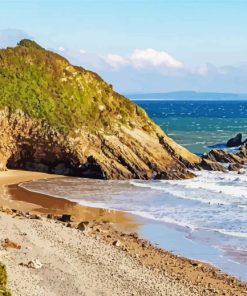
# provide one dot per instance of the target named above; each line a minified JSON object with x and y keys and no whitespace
{"x":140,"y":45}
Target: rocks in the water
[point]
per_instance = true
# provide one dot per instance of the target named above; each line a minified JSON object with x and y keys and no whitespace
{"x":235,"y":142}
{"x":222,"y":156}
{"x":209,"y":165}
{"x":243,"y":152}
{"x":235,"y":167}
{"x":176,"y":175}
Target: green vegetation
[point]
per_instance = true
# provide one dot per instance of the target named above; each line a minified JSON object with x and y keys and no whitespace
{"x":45,"y":86}
{"x":3,"y":281}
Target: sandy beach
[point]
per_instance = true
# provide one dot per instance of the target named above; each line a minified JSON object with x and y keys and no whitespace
{"x":104,"y":257}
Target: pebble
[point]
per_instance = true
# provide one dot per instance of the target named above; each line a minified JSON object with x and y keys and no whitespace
{"x":35,"y":264}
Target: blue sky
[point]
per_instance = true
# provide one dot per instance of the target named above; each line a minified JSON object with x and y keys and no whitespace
{"x":140,"y":45}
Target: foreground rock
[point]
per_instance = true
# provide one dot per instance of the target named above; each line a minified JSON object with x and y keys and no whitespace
{"x":66,"y":120}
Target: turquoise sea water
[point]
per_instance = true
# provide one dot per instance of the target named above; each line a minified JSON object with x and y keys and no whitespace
{"x":198,"y":124}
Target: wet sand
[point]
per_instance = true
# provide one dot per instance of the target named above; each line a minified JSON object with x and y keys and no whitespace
{"x":158,"y":271}
{"x":15,"y":197}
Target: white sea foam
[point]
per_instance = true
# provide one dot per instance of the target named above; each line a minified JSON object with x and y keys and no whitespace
{"x":212,"y":200}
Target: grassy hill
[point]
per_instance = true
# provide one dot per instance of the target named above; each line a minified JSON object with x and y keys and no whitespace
{"x":60,"y":118}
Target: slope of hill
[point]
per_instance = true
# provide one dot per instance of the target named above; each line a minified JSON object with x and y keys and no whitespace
{"x":59,"y":118}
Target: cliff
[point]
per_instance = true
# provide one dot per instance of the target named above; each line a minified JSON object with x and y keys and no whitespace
{"x":59,"y":118}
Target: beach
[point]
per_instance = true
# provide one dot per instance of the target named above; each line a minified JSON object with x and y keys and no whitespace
{"x":104,"y":257}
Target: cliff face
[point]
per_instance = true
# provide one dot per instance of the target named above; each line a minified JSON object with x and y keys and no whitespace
{"x":59,"y":118}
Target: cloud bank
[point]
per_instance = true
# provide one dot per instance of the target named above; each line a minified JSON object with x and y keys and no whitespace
{"x":148,"y":70}
{"x":144,"y":58}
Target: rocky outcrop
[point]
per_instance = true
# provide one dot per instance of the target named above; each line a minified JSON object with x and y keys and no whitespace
{"x":235,"y":161}
{"x":29,"y":144}
{"x":235,"y":142}
{"x":209,"y":165}
{"x":218,"y":155}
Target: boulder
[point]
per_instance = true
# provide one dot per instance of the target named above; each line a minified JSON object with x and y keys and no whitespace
{"x":235,"y":142}
{"x":235,"y":167}
{"x":65,"y":218}
{"x":83,"y":226}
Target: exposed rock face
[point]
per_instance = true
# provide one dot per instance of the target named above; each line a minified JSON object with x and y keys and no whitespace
{"x":235,"y":142}
{"x":209,"y":165}
{"x":62,"y":119}
{"x":218,"y":155}
{"x":129,"y":153}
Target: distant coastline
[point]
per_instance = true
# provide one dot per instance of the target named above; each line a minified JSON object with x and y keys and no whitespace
{"x":187,"y":95}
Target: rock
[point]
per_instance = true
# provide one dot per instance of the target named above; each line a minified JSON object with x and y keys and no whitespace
{"x":8,"y":244}
{"x":209,"y":165}
{"x":117,"y":243}
{"x":35,"y":264}
{"x":35,"y":217}
{"x":242,"y":172}
{"x":243,"y":152}
{"x":65,"y":218}
{"x":234,"y":167}
{"x":235,"y":142}
{"x":175,"y":175}
{"x":218,"y":155}
{"x":83,"y":226}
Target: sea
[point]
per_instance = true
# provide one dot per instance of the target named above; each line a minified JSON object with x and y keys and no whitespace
{"x":204,"y":218}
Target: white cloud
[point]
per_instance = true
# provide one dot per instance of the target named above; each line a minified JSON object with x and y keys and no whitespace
{"x":143,"y":58}
{"x":116,"y":61}
{"x":151,"y":57}
{"x":61,"y":49}
{"x":82,"y":51}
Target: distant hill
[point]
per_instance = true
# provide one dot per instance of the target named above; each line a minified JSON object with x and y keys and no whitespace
{"x":187,"y":95}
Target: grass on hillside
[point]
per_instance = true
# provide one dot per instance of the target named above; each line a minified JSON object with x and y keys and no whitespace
{"x":45,"y":86}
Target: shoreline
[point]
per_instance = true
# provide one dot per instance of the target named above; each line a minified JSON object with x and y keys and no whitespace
{"x":109,"y":226}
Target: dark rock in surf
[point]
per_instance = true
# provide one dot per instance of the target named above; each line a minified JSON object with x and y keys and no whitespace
{"x":235,"y":142}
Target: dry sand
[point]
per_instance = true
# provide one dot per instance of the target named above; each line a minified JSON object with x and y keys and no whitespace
{"x":88,"y":263}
